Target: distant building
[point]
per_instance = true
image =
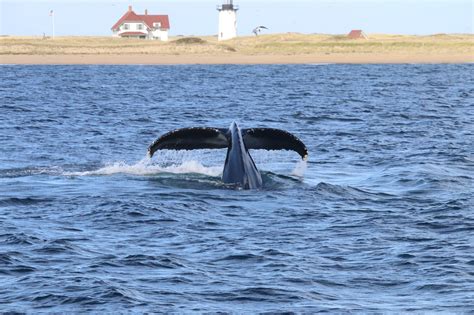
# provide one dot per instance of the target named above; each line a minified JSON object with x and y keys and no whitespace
{"x":356,"y":34}
{"x":227,"y":20}
{"x":145,"y":26}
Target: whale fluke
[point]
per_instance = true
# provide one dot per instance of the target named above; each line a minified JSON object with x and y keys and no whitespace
{"x":239,"y":166}
{"x":190,"y":139}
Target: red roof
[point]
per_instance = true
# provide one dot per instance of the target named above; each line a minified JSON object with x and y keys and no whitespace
{"x":149,"y":20}
{"x":132,"y":34}
{"x":356,"y":34}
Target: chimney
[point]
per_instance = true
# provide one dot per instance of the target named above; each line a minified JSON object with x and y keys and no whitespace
{"x":146,"y":11}
{"x":129,"y":8}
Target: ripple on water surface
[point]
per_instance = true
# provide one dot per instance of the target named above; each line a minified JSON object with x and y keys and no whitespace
{"x":378,"y":220}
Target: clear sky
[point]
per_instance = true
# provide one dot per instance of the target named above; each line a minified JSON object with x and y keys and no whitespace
{"x":87,"y":17}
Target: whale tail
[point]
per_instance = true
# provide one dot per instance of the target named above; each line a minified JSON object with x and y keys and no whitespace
{"x":217,"y":138}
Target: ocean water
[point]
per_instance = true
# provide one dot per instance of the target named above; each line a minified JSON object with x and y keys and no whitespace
{"x":380,"y":219}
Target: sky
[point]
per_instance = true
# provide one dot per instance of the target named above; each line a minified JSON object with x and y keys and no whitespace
{"x":200,"y":17}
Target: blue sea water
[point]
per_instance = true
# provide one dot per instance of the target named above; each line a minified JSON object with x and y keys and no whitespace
{"x":380,"y":219}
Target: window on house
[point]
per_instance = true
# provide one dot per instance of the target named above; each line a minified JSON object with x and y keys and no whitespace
{"x":125,"y":26}
{"x":157,"y":25}
{"x":140,"y":26}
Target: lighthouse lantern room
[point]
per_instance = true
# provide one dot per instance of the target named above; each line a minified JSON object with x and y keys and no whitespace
{"x":227,"y":20}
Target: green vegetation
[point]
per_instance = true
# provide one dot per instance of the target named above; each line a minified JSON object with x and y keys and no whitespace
{"x":190,"y":41}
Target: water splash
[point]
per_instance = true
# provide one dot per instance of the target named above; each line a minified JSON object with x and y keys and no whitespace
{"x":300,"y":168}
{"x":205,"y":162}
{"x":146,"y":167}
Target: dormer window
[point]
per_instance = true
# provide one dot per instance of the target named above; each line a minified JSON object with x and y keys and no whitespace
{"x":157,"y":25}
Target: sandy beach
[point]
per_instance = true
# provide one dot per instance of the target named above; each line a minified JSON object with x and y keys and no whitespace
{"x":234,"y":59}
{"x":268,"y":49}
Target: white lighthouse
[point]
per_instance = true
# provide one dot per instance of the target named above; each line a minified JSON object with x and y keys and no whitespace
{"x":227,"y":20}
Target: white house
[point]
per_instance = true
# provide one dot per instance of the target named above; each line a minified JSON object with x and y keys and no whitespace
{"x":144,"y":26}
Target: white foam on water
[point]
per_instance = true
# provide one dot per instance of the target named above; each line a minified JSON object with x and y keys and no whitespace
{"x":146,"y":167}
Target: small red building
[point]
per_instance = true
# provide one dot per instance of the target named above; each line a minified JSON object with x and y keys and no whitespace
{"x":357,"y":34}
{"x":146,"y":26}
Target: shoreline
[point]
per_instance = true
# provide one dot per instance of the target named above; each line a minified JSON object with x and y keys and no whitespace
{"x":190,"y":59}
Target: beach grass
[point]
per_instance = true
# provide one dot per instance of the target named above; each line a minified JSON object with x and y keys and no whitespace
{"x":274,"y":44}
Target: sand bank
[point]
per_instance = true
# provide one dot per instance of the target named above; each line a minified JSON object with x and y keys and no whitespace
{"x":235,"y":59}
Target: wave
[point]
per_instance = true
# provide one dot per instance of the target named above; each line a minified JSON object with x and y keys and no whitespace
{"x":16,"y":201}
{"x":30,"y":171}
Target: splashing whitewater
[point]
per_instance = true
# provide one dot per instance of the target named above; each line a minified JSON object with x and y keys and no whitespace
{"x":146,"y":167}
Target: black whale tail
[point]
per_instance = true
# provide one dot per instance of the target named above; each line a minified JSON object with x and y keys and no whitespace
{"x":217,"y":138}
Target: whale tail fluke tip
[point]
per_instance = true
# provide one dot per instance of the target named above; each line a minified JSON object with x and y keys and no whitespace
{"x":273,"y":139}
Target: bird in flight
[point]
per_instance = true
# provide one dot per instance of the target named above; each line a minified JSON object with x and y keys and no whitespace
{"x":258,"y":29}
